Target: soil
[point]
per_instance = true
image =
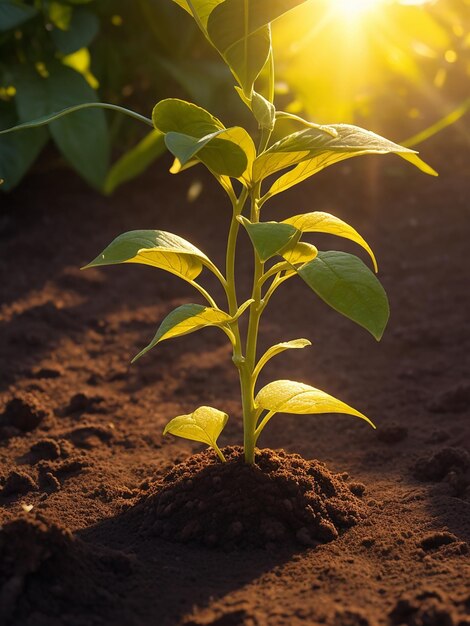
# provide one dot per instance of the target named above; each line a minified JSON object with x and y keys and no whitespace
{"x":105,"y":521}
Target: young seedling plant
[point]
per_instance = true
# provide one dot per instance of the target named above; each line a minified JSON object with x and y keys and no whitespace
{"x":252,"y":170}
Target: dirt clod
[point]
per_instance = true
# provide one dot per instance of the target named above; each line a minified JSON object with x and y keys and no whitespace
{"x":18,"y":483}
{"x":440,"y":464}
{"x":24,"y":412}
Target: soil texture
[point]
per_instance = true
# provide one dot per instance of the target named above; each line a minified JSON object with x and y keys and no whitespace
{"x":106,"y":522}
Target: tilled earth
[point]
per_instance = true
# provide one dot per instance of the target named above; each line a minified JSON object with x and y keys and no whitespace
{"x":85,"y":539}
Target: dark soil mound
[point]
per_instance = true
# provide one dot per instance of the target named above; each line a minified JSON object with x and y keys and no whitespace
{"x":281,"y":498}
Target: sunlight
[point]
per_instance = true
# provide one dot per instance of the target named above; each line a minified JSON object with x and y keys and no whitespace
{"x":355,"y":8}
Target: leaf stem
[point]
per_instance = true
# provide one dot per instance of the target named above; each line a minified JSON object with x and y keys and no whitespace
{"x":42,"y":121}
{"x":205,"y":293}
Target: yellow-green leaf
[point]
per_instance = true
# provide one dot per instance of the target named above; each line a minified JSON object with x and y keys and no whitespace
{"x":204,"y":425}
{"x":202,"y":8}
{"x":287,"y":396}
{"x":314,"y":149}
{"x":186,"y":319}
{"x":300,"y":253}
{"x":320,"y":222}
{"x":156,"y":248}
{"x":295,"y":344}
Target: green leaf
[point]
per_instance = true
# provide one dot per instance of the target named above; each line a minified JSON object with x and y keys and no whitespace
{"x":202,"y":8}
{"x":240,"y":31}
{"x":82,"y":137}
{"x":156,"y":248}
{"x":13,"y":14}
{"x":320,"y":222}
{"x":83,"y":28}
{"x":345,"y":283}
{"x":269,"y":238}
{"x":17,"y":152}
{"x":179,"y":116}
{"x":135,"y":161}
{"x":191,"y":131}
{"x":205,"y":425}
{"x":287,"y":396}
{"x":186,"y":319}
{"x":313,"y":149}
{"x":263,"y":110}
{"x":295,"y":344}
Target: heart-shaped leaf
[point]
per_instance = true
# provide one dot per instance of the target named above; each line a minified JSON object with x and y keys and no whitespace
{"x":287,"y":396}
{"x":156,"y":248}
{"x":320,"y":222}
{"x":186,"y":319}
{"x":345,"y":283}
{"x":205,"y":425}
{"x":269,"y":238}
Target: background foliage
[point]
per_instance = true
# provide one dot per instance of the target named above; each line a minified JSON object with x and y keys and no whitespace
{"x":390,"y":62}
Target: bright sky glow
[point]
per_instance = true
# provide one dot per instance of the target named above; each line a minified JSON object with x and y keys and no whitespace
{"x":358,"y":8}
{"x":354,"y":8}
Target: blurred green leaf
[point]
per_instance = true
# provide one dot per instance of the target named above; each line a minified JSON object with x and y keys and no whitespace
{"x":19,"y":151}
{"x":82,"y":137}
{"x":346,"y":284}
{"x":83,"y":28}
{"x":60,"y":14}
{"x":13,"y":14}
{"x":135,"y":161}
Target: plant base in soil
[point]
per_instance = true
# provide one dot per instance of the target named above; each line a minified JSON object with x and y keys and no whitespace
{"x":281,"y":499}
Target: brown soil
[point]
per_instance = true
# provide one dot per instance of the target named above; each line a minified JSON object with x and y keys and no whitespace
{"x":282,"y":498}
{"x":84,"y":468}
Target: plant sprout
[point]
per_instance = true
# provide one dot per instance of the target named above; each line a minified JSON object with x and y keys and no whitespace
{"x":251,"y":174}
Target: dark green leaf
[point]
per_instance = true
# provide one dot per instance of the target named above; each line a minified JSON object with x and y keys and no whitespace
{"x":82,"y":137}
{"x":135,"y":161}
{"x":19,"y":151}
{"x":240,"y":31}
{"x":270,"y":238}
{"x":13,"y":14}
{"x":82,"y":29}
{"x":345,"y":283}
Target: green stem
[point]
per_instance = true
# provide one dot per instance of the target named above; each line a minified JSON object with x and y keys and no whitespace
{"x":251,"y":343}
{"x":220,"y":454}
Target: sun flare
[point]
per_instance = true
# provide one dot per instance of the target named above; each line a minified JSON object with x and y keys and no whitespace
{"x":355,"y":8}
